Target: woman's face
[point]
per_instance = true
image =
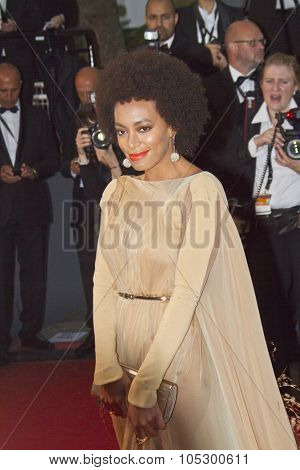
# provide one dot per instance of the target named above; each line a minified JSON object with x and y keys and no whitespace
{"x":143,"y":135}
{"x":278,"y":86}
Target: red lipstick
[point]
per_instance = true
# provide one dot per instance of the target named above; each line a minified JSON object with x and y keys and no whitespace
{"x":137,"y":156}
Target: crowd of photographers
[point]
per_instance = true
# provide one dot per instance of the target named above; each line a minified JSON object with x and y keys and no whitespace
{"x":251,"y":144}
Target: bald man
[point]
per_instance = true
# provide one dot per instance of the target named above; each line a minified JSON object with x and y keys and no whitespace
{"x":90,"y":180}
{"x":28,"y":156}
{"x":232,"y":103}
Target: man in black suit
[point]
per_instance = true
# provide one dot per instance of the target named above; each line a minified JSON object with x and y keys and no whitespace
{"x":20,"y":16}
{"x":204,"y":22}
{"x":28,"y":155}
{"x":232,"y":103}
{"x":280,"y":22}
{"x":161,"y":15}
{"x":90,"y":179}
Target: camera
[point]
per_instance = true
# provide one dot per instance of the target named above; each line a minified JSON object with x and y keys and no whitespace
{"x":99,"y":139}
{"x":88,"y":118}
{"x":152,"y":39}
{"x":291,"y":136}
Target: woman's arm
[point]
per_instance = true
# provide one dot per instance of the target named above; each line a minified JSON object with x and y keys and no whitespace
{"x":265,"y":138}
{"x":107,"y":368}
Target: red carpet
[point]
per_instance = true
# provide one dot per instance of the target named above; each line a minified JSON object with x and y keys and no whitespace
{"x":47,"y":405}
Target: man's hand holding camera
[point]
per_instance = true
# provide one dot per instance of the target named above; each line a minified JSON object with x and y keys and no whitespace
{"x":104,"y":155}
{"x":109,"y":159}
{"x":83,"y":140}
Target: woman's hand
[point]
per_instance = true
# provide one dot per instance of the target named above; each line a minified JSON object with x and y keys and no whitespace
{"x":114,"y":396}
{"x":266,"y":138}
{"x":146,"y":422}
{"x":283,"y":160}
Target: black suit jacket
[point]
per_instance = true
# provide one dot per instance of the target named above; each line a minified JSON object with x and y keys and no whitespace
{"x":223,"y":150}
{"x":187,"y":20}
{"x":69,"y":8}
{"x":28,"y":202}
{"x":270,"y":21}
{"x":27,"y":15}
{"x":196,"y":56}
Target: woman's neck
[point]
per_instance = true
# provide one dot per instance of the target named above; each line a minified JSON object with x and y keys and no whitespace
{"x":207,"y":5}
{"x":167,"y":170}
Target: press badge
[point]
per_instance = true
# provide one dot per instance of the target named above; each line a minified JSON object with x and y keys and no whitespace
{"x":263,"y":204}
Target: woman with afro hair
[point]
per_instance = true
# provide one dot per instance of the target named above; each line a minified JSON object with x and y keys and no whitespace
{"x":173,"y":297}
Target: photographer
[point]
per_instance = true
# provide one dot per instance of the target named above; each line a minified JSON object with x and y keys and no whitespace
{"x":91,"y":169}
{"x":274,"y":243}
{"x":95,"y":174}
{"x":161,"y":16}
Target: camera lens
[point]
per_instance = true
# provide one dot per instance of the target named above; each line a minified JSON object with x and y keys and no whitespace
{"x":100,"y":140}
{"x":293,"y":149}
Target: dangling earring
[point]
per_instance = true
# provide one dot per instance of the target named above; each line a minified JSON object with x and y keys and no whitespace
{"x":126,"y":163}
{"x":174,"y":155}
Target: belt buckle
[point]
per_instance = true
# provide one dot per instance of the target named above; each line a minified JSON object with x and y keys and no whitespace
{"x":129,"y":296}
{"x":164,"y":298}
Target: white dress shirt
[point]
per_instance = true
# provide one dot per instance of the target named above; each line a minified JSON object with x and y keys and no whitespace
{"x":287,"y":4}
{"x":285,"y":187}
{"x":211,"y":21}
{"x":247,"y":85}
{"x":13,"y":122}
{"x":168,"y":42}
{"x":3,"y":6}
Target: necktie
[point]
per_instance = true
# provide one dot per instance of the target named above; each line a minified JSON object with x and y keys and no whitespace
{"x":249,"y":111}
{"x":165,"y":48}
{"x":242,"y":78}
{"x":14,"y":109}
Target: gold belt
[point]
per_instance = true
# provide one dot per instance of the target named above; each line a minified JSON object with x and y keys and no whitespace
{"x":163,"y":298}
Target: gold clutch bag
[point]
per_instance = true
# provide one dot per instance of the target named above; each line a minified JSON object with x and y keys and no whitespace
{"x":166,"y":394}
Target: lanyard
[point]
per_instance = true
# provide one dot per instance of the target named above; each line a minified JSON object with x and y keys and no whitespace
{"x":203,"y":30}
{"x":267,"y":168}
{"x":8,"y":128}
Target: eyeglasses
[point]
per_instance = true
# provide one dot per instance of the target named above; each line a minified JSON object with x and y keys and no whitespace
{"x":252,"y":42}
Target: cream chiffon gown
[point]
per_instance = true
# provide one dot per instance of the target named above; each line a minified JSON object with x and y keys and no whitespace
{"x":176,"y":238}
